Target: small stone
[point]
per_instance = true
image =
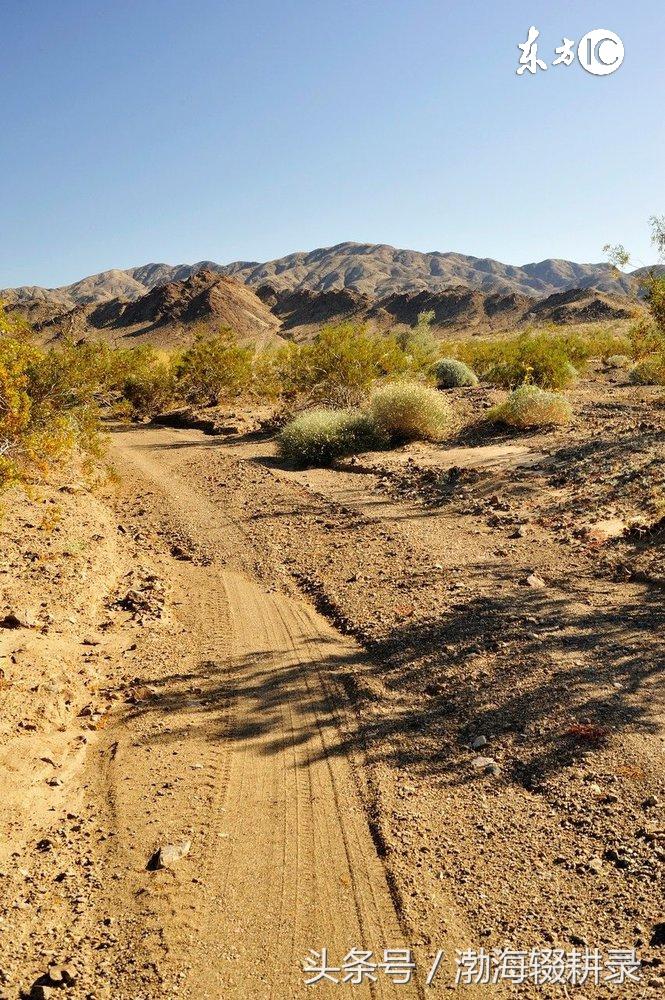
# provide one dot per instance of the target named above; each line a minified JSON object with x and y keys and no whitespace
{"x":169,"y":854}
{"x":480,"y":741}
{"x":15,"y":620}
{"x":480,"y":763}
{"x":658,"y":935}
{"x":535,"y":581}
{"x":596,"y":866}
{"x":650,"y":803}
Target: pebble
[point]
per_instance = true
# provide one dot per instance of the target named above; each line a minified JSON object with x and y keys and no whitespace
{"x":169,"y":854}
{"x":480,"y":741}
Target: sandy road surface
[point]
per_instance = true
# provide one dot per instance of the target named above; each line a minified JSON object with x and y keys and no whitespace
{"x":282,"y":858}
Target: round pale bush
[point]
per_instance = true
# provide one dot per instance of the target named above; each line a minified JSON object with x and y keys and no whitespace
{"x":530,"y":406}
{"x":320,"y":436}
{"x":408,"y":411}
{"x":649,"y":371}
{"x":451,"y":374}
{"x":617,"y":361}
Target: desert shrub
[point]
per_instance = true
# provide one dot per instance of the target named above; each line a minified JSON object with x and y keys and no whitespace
{"x":408,"y":411}
{"x":320,"y":436}
{"x":451,"y":373}
{"x":533,"y":360}
{"x":656,"y":299}
{"x":214,"y":368}
{"x":551,"y":359}
{"x":49,"y":405}
{"x":421,"y":348}
{"x":341,"y":364}
{"x":530,"y":406}
{"x":649,"y":370}
{"x":617,"y":361}
{"x":645,"y":338}
{"x":151,"y":389}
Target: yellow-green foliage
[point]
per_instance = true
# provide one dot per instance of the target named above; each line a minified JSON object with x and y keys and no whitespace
{"x":542,"y":359}
{"x":451,"y":373}
{"x":529,"y":406}
{"x":409,"y":411}
{"x":214,"y":369}
{"x":150,"y":384}
{"x":645,"y":338}
{"x":49,"y":402}
{"x":656,"y":300}
{"x":320,"y":436}
{"x":549,"y":358}
{"x":341,"y":364}
{"x":649,"y":370}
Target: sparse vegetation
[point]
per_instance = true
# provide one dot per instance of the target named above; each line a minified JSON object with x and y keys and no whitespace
{"x":408,"y":411}
{"x":151,"y":385}
{"x":529,"y":406}
{"x":340,"y":365}
{"x":649,"y":370}
{"x":318,"y":437}
{"x":450,"y":373}
{"x":214,"y":369}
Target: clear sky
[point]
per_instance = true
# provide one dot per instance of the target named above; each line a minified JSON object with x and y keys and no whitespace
{"x":166,"y":130}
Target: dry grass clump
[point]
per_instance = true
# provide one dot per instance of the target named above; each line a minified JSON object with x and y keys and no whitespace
{"x":408,"y":411}
{"x":649,"y":371}
{"x":452,"y":374}
{"x":529,"y":406}
{"x":318,"y":437}
{"x":617,"y":361}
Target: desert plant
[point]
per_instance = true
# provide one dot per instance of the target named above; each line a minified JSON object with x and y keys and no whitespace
{"x":617,"y":361}
{"x":408,"y":411}
{"x":341,"y":364}
{"x":152,"y":390}
{"x":451,"y":374}
{"x":214,"y":368}
{"x":649,"y":370}
{"x":318,"y":437}
{"x":529,"y":406}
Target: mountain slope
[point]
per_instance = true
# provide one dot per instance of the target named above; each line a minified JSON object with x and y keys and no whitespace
{"x":375,"y":270}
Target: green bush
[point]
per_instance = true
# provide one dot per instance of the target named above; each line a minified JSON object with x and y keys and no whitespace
{"x":408,"y":411}
{"x":49,"y":404}
{"x":646,"y":338}
{"x":451,"y":374}
{"x":318,"y":437}
{"x":214,"y":368}
{"x":529,"y":406}
{"x":341,"y":364}
{"x":151,"y":391}
{"x":649,"y":371}
{"x":617,"y":361}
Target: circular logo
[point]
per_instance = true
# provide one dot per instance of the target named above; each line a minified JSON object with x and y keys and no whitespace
{"x":600,"y":52}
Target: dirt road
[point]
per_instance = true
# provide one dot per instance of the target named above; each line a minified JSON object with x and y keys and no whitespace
{"x":282,"y":860}
{"x":175,"y":687}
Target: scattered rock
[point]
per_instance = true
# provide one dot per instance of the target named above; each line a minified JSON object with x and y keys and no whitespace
{"x":658,"y":935}
{"x":480,"y":741}
{"x":595,"y":865}
{"x":14,"y":620}
{"x":535,"y":581}
{"x":169,"y":855}
{"x":487,"y":764}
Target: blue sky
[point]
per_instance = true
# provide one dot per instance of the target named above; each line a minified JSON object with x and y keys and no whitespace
{"x":145,"y":131}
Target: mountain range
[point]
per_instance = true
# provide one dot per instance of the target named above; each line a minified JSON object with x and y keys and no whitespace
{"x":376,"y":270}
{"x":291,"y":297}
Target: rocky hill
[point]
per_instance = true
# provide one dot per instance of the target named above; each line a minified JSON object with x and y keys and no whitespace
{"x":374,"y":270}
{"x":169,"y":315}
